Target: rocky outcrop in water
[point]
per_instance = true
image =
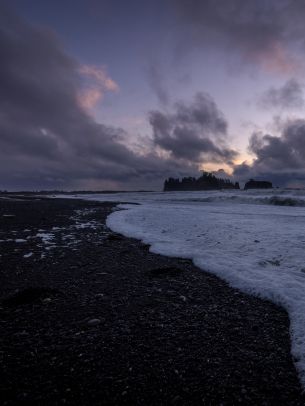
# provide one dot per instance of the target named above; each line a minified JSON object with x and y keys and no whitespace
{"x":207,"y":181}
{"x":258,"y":184}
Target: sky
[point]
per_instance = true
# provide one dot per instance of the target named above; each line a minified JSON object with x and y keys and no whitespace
{"x":119,"y":95}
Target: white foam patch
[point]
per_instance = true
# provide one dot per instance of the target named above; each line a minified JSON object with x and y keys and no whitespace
{"x":260,"y":250}
{"x":47,"y":238}
{"x":89,"y":224}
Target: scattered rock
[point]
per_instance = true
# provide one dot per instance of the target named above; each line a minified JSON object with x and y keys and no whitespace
{"x":140,"y":343}
{"x":28,"y":296}
{"x":93,"y":322}
{"x":166,"y":271}
{"x":114,"y":237}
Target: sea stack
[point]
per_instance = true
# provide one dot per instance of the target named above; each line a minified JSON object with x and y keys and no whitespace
{"x":207,"y":181}
{"x":258,"y":184}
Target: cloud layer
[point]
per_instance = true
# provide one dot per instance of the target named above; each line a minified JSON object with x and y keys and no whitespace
{"x":259,"y":31}
{"x":289,"y":96}
{"x":280,"y":159}
{"x":194,"y":132}
{"x":48,"y":140}
{"x":157,"y":83}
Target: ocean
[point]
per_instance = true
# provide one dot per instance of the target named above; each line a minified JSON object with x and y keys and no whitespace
{"x":254,"y":239}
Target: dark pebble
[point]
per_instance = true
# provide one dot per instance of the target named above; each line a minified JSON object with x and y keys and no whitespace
{"x":168,"y":332}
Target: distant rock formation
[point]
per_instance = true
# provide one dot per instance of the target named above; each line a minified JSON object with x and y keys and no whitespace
{"x":258,"y":184}
{"x":205,"y":182}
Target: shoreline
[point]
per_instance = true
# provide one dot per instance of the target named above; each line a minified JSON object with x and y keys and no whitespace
{"x":108,"y":322}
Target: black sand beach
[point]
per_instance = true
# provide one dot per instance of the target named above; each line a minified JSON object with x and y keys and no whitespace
{"x":89,"y":317}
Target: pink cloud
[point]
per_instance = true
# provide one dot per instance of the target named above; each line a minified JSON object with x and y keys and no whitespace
{"x":89,"y":98}
{"x":96,"y":83}
{"x":276,"y":59}
{"x":100,"y":76}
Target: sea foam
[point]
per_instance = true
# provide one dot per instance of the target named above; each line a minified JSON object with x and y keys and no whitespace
{"x":249,"y":239}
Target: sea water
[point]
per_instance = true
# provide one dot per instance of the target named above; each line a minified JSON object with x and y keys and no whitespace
{"x":255,"y":240}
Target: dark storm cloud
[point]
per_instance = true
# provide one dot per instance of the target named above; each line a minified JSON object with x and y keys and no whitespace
{"x":258,"y":30}
{"x":194,"y":132}
{"x":290,"y":95}
{"x":281,"y":159}
{"x":46,"y":138}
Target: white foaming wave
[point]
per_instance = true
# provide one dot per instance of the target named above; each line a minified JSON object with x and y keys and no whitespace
{"x":276,"y":197}
{"x":255,"y":248}
{"x":273,"y":200}
{"x":252,"y":239}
